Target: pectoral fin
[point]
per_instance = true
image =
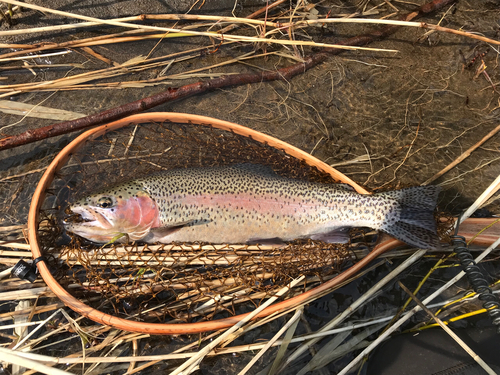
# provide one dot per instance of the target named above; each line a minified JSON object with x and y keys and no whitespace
{"x":165,"y":231}
{"x":158,"y":234}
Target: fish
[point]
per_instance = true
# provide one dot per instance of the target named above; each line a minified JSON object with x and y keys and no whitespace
{"x":249,"y":203}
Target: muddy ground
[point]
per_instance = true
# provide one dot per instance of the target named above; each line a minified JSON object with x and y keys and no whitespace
{"x":406,"y":115}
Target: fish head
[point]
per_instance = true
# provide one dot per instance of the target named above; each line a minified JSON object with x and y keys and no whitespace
{"x":121,"y":211}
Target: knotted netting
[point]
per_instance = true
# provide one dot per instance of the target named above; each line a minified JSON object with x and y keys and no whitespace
{"x":181,"y":281}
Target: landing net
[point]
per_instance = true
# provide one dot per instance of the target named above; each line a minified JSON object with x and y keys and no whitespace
{"x":176,"y":282}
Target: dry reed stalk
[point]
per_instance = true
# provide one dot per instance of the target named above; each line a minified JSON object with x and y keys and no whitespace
{"x":25,"y":254}
{"x":289,"y":329}
{"x":210,"y":310}
{"x":347,"y":312}
{"x":230,"y":350}
{"x":38,"y":111}
{"x":403,"y":319}
{"x":235,"y":20}
{"x":230,"y":37}
{"x":165,"y":260}
{"x":142,"y":17}
{"x":319,"y":334}
{"x":77,"y":81}
{"x":36,"y":56}
{"x":193,"y":361}
{"x":14,"y":357}
{"x":490,"y":190}
{"x":13,"y":228}
{"x":196,"y":247}
{"x":73,"y":358}
{"x":15,"y":245}
{"x":251,"y":298}
{"x":38,"y":310}
{"x":26,"y":294}
{"x":208,"y":286}
{"x":125,"y":68}
{"x":267,"y":319}
{"x":115,"y":38}
{"x":220,"y":351}
{"x":87,"y":42}
{"x":423,"y":25}
{"x":24,"y":324}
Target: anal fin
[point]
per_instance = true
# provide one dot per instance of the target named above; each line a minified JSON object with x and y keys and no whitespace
{"x":339,"y":235}
{"x":274,"y":242}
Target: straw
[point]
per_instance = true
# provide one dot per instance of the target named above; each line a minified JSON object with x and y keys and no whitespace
{"x":412,"y":312}
{"x":360,"y":301}
{"x":194,"y":361}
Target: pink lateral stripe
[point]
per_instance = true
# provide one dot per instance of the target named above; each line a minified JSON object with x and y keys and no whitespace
{"x":263,"y":205}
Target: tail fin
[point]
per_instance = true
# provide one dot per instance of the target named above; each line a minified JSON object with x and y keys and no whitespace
{"x":416,"y":225}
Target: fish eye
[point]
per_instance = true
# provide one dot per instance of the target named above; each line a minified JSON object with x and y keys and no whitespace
{"x":105,"y":202}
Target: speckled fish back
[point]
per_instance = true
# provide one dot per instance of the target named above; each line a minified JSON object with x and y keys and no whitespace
{"x":237,"y":204}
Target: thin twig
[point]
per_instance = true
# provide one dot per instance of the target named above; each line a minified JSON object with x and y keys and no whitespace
{"x":464,"y":156}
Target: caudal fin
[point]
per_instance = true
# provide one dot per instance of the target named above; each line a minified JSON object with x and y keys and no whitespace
{"x":416,"y":225}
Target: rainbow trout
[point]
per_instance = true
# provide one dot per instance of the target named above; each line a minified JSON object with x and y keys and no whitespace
{"x":249,"y":204}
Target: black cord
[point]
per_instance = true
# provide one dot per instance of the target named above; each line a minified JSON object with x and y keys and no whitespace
{"x":476,"y":277}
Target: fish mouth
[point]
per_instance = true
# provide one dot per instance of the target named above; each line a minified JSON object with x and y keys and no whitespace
{"x":86,"y":217}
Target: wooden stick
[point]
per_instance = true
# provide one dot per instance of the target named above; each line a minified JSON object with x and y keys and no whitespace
{"x":462,"y":157}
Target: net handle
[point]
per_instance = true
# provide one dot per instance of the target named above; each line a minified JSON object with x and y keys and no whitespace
{"x":181,"y":328}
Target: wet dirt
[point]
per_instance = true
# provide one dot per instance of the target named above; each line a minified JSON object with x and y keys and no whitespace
{"x":386,"y":120}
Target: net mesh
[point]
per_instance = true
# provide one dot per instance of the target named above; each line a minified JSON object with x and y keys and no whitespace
{"x":176,"y":282}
